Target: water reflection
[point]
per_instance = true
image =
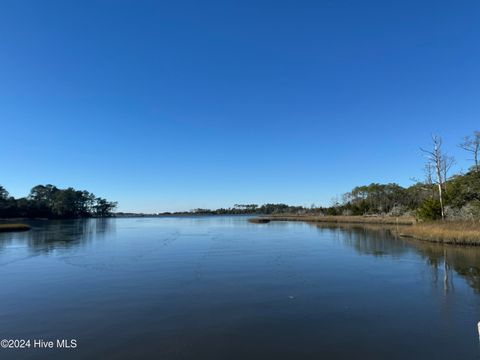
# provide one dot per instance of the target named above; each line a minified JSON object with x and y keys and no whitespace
{"x":441,"y":258}
{"x":183,"y":286}
{"x":46,"y":236}
{"x":369,"y":240}
{"x":372,"y":240}
{"x":445,"y":258}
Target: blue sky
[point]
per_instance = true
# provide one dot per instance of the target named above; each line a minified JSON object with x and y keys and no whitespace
{"x":173,"y":105}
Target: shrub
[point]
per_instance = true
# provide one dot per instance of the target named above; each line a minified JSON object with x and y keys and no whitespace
{"x":472,"y":210}
{"x":429,"y":210}
{"x":398,"y":210}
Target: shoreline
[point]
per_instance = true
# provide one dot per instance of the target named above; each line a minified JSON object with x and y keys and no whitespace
{"x":386,"y":220}
{"x":464,"y":233}
{"x":14,"y":227}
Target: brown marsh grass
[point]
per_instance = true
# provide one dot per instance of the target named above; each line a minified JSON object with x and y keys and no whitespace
{"x":259,"y":220}
{"x":448,"y":232}
{"x":14,"y":227}
{"x":402,"y":220}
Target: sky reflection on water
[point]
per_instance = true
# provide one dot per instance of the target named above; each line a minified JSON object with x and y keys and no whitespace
{"x":220,"y":287}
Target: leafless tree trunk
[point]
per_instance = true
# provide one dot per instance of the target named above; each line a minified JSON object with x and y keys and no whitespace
{"x":441,"y":164}
{"x":447,"y":163}
{"x":472,"y":145}
{"x":428,"y":170}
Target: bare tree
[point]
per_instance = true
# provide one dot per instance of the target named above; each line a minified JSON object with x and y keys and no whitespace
{"x":472,"y":145}
{"x":441,"y":164}
{"x":447,"y":163}
{"x":428,"y":171}
{"x":335,"y":201}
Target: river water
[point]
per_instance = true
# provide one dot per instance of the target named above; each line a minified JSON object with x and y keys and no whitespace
{"x":223,"y":288}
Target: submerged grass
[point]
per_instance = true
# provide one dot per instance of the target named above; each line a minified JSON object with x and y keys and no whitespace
{"x":14,"y":227}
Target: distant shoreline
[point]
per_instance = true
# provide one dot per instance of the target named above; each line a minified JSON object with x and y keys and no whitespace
{"x":179,"y":215}
{"x":390,"y":220}
{"x":444,"y":232}
{"x":464,"y":232}
{"x":123,"y":216}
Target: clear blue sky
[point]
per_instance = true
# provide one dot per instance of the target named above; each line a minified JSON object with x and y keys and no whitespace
{"x":172,"y":105}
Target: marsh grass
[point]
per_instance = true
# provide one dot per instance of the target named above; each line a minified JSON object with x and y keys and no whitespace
{"x":259,"y":220}
{"x":14,"y":227}
{"x":402,"y":220}
{"x":448,"y":232}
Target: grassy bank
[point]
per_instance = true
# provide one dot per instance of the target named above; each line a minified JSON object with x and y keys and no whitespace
{"x":258,"y":220}
{"x":403,"y":220}
{"x":448,"y":232}
{"x":14,"y":227}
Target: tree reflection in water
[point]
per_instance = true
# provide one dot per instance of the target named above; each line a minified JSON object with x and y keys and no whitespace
{"x":46,"y":236}
{"x":372,"y":240}
{"x":378,"y":240}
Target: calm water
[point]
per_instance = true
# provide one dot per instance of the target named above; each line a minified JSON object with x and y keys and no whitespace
{"x":222,"y":288}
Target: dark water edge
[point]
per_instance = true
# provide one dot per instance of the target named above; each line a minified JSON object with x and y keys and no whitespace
{"x":222,"y":288}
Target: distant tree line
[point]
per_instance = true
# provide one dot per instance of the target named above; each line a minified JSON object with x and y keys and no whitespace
{"x":240,"y":209}
{"x":237,"y":209}
{"x":48,"y":201}
{"x":439,"y":195}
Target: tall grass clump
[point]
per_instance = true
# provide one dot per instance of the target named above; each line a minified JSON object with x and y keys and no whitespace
{"x":448,"y":232}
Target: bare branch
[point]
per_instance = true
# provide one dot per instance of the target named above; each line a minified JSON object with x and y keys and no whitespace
{"x":440,"y":164}
{"x":471,"y":144}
